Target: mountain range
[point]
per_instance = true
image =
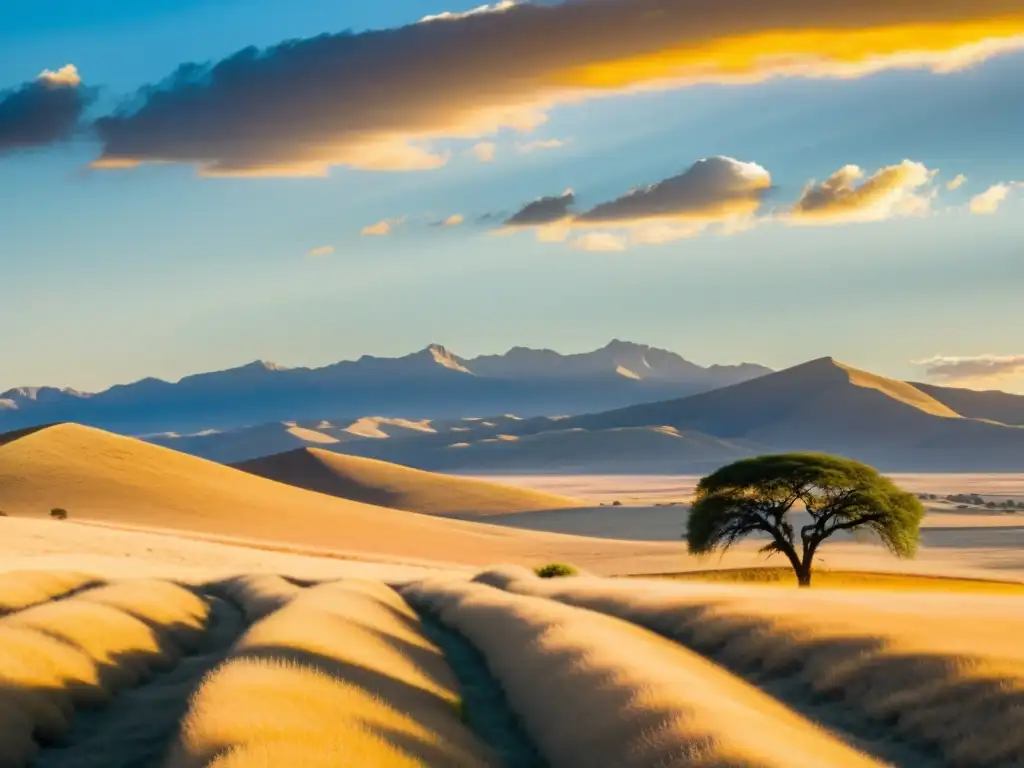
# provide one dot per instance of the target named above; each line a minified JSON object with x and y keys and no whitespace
{"x":432,"y":383}
{"x":822,"y":405}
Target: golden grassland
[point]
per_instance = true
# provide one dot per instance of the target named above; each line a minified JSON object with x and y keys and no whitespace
{"x":596,"y":691}
{"x":340,"y":675}
{"x":939,"y":670}
{"x":21,"y":589}
{"x":59,"y":656}
{"x":829,"y":579}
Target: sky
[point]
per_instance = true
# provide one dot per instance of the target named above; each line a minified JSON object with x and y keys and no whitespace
{"x":190,"y":185}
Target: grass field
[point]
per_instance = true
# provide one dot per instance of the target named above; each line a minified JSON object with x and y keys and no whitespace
{"x":826,"y":579}
{"x":506,"y":670}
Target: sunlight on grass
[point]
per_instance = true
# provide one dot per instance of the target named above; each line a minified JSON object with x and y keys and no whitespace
{"x":21,"y":589}
{"x":341,"y":675}
{"x":938,"y":670}
{"x":592,"y":690}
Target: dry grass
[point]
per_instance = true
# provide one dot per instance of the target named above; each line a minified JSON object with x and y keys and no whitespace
{"x":391,"y":485}
{"x":341,"y":675}
{"x":21,"y":589}
{"x":59,"y":656}
{"x":106,"y":478}
{"x":942,"y":671}
{"x":598,"y":692}
{"x":825,"y":579}
{"x":258,"y":595}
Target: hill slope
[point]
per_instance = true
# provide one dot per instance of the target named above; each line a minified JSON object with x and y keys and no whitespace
{"x":392,"y":485}
{"x":102,"y":477}
{"x":994,"y":406}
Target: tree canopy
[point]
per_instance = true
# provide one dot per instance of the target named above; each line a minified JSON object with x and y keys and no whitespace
{"x":756,"y":495}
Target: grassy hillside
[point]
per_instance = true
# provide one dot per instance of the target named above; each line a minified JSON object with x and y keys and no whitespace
{"x":102,"y":477}
{"x":392,"y":485}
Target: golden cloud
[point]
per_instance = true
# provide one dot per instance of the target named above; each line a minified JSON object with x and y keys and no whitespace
{"x":376,"y":100}
{"x":849,"y":196}
{"x":600,"y":242}
{"x":988,"y":202}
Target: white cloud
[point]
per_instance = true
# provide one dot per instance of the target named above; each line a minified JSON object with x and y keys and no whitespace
{"x":485,"y":151}
{"x":956,"y":368}
{"x":65,"y":77}
{"x":988,"y":202}
{"x":850,"y":196}
{"x":956,"y":183}
{"x":540,"y":144}
{"x":599,"y":242}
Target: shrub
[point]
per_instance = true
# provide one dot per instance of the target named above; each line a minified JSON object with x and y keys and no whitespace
{"x":59,"y":514}
{"x":555,"y":570}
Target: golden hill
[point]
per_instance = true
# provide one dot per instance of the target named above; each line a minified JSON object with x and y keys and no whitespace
{"x":101,"y":477}
{"x":392,"y":485}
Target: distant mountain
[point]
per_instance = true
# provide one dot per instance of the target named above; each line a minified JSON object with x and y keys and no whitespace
{"x":432,"y":383}
{"x":991,"y":405}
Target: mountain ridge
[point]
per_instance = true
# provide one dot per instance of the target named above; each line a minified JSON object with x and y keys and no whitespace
{"x":433,"y":381}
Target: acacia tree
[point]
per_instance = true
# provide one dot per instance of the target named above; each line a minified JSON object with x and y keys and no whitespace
{"x":757,"y":496}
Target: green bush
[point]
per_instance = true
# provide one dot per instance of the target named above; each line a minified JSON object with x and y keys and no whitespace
{"x":59,"y":514}
{"x":555,"y":570}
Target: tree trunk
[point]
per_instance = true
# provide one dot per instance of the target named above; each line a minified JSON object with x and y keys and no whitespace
{"x":803,"y":576}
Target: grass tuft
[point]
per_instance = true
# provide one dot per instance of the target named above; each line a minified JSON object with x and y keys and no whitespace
{"x":555,"y":570}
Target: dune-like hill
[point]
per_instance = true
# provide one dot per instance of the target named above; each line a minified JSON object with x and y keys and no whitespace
{"x":101,"y":477}
{"x":825,"y":405}
{"x":991,"y":405}
{"x":392,"y":485}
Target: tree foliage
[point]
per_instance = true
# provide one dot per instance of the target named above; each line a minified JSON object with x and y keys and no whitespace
{"x":757,"y":496}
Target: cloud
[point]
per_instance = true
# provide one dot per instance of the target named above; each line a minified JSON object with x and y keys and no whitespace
{"x":716,"y":191}
{"x":540,"y":144}
{"x":382,"y":228}
{"x":484,"y":151}
{"x":710,"y":191}
{"x":451,"y":221}
{"x":949,"y":368}
{"x":42,"y":112}
{"x":849,"y":196}
{"x":543,"y":211}
{"x":988,"y":202}
{"x":378,"y":99}
{"x":599,"y":242}
{"x":323,"y":250}
{"x":956,"y":183}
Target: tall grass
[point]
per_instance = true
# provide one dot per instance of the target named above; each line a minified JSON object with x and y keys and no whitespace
{"x":257,"y":595}
{"x":341,"y":675}
{"x":59,"y":656}
{"x":598,"y":692}
{"x":945,"y":672}
{"x":21,"y":589}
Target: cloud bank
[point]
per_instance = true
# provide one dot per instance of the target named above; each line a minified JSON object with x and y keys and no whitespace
{"x":42,"y":112}
{"x":950,"y":368}
{"x":377,"y":100}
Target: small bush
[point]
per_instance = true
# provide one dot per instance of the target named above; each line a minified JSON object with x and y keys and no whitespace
{"x":616,"y":503}
{"x":555,"y":570}
{"x":59,"y":514}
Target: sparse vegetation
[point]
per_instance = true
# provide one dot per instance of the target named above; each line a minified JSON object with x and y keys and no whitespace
{"x":58,"y":513}
{"x":22,"y":589}
{"x":756,"y":496}
{"x":555,"y":570}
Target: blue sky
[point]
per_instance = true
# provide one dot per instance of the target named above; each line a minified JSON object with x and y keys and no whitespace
{"x":110,"y":275}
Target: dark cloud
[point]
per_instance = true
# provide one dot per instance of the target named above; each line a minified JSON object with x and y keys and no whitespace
{"x":711,"y":189}
{"x":544,"y":210}
{"x":42,"y":112}
{"x":377,"y":99}
{"x":950,"y":368}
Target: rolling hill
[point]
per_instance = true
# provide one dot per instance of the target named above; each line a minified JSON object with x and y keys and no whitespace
{"x":398,"y":487}
{"x":822,"y":405}
{"x":432,"y":383}
{"x":106,"y":478}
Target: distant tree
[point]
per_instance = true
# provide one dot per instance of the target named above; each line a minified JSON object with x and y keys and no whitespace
{"x":991,"y":505}
{"x":616,"y":503}
{"x":59,"y":514}
{"x":555,"y":570}
{"x":757,"y":496}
